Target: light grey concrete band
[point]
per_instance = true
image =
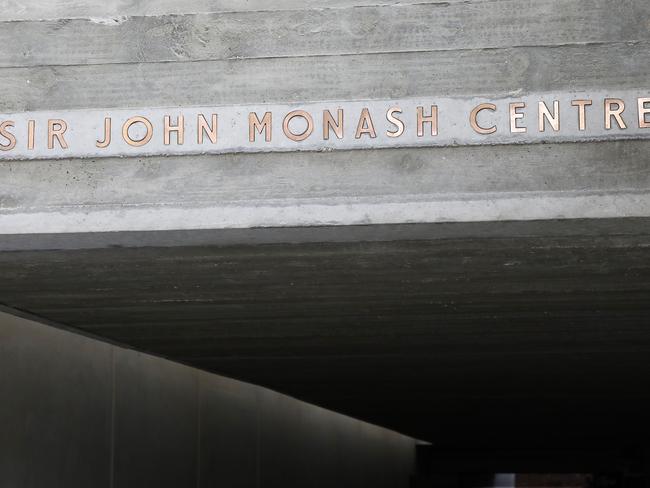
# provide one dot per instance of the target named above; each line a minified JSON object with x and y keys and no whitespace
{"x":378,"y":129}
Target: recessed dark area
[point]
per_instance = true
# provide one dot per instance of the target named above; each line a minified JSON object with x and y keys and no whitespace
{"x":533,"y":340}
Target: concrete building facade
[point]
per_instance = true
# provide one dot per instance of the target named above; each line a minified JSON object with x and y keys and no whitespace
{"x":485,"y":292}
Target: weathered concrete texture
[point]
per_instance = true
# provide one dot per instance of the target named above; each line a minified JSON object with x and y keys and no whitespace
{"x":351,"y":187}
{"x":77,"y":412}
{"x":502,"y":72}
{"x":394,"y":174}
{"x":323,"y":31}
{"x":114,"y":11}
{"x":196,"y":53}
{"x":512,"y":336}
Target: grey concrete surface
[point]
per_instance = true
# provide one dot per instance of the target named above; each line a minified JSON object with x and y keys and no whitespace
{"x":361,"y":187}
{"x":77,"y":412}
{"x":307,"y":30}
{"x":515,"y":326}
{"x":503,"y":72}
{"x":464,"y":49}
{"x":95,"y":55}
{"x":113,"y":11}
{"x":257,"y":179}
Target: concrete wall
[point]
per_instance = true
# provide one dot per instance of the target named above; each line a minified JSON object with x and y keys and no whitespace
{"x":76,"y":412}
{"x":93,"y":55}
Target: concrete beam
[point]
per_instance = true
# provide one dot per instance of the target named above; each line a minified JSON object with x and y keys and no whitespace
{"x":550,"y":46}
{"x":495,"y":183}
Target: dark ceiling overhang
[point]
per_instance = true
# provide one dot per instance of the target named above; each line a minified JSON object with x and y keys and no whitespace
{"x":532,"y":334}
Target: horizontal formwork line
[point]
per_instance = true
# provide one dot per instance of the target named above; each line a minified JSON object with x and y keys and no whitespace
{"x":549,"y":207}
{"x":93,"y":13}
{"x":503,"y":72}
{"x":642,"y":43}
{"x":116,"y":17}
{"x":295,"y":33}
{"x":441,"y":198}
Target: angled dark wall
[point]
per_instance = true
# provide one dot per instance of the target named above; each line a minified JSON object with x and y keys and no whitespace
{"x":76,"y":412}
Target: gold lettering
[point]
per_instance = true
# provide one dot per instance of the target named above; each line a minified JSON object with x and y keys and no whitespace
{"x":643,"y":110}
{"x":31,"y":125}
{"x":432,"y":119}
{"x":328,"y":123}
{"x":304,"y":134}
{"x":107,"y":134}
{"x":514,"y":116}
{"x":55,"y":130}
{"x":582,"y":115}
{"x":365,"y":125}
{"x":614,"y":112}
{"x":7,"y":135}
{"x":265,"y":125}
{"x":179,"y":128}
{"x":396,"y":122}
{"x":137,"y":120}
{"x":473,"y":116}
{"x":544,"y":115}
{"x":203,"y":126}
